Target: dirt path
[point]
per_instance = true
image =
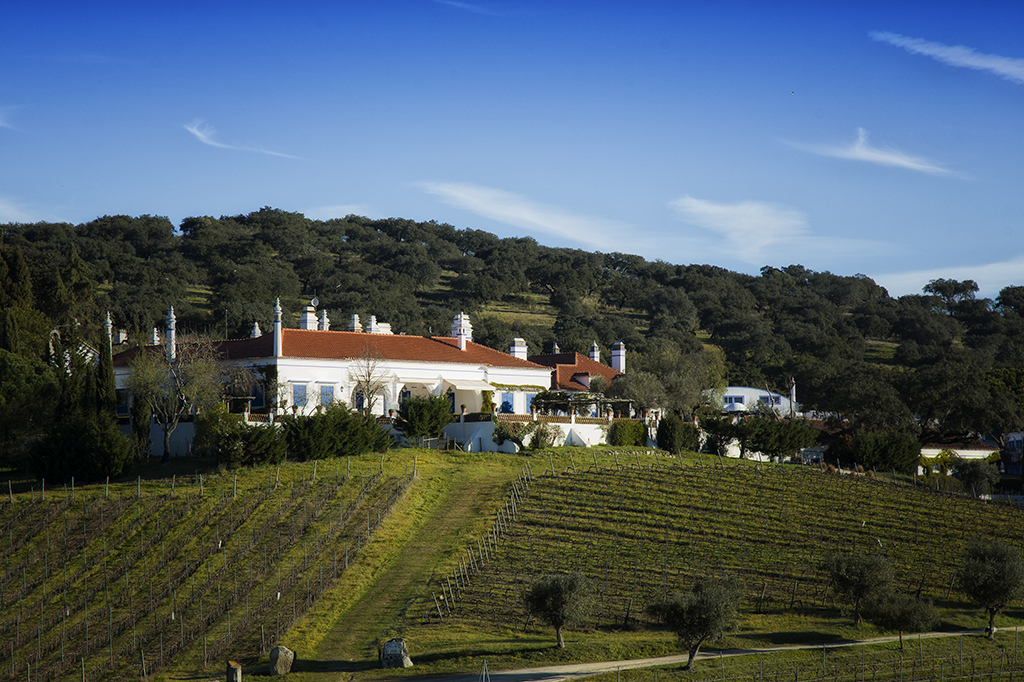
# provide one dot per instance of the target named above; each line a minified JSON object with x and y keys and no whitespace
{"x":397,"y":588}
{"x":556,"y":673}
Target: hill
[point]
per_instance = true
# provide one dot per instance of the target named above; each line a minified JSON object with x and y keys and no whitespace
{"x":941,"y":363}
{"x":331,"y":557}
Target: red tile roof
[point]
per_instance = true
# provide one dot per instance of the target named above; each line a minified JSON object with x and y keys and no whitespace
{"x":342,"y":345}
{"x":569,"y":365}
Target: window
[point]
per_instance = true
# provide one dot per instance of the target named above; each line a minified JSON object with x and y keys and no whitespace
{"x":326,"y":394}
{"x":506,"y":403}
{"x":404,"y":395}
{"x":360,"y":401}
{"x":299,"y":395}
{"x":529,"y":400}
{"x":451,"y":400}
{"x":733,"y":399}
{"x":259,"y":399}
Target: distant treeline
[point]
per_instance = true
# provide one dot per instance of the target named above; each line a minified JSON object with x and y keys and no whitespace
{"x":943,"y":361}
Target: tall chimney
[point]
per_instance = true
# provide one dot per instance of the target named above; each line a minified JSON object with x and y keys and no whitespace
{"x":278,"y":332}
{"x":462,"y":330}
{"x":518,"y":348}
{"x":619,"y":357}
{"x":171,"y":340}
{"x":308,"y":318}
{"x":595,"y":353}
{"x":325,"y":323}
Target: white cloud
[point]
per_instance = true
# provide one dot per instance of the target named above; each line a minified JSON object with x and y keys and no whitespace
{"x":957,"y":55}
{"x":749,"y":227}
{"x":475,"y":9}
{"x":11,"y":212}
{"x":205,"y":134}
{"x":336,"y":211}
{"x":519,"y":211}
{"x":862,"y":151}
{"x":991,"y":277}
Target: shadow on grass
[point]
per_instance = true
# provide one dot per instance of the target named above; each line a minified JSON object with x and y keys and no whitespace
{"x":804,"y":637}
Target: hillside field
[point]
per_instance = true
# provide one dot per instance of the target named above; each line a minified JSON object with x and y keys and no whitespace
{"x":172,"y":576}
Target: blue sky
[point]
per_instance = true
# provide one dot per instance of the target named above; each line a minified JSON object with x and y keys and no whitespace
{"x":876,"y":138}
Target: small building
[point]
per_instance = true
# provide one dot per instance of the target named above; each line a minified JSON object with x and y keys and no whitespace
{"x":743,"y":399}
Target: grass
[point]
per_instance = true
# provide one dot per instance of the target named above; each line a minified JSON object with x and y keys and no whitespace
{"x":637,"y":521}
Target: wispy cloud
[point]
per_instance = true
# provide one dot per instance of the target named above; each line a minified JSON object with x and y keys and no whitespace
{"x":861,"y":150}
{"x":758,"y":233}
{"x":205,"y":134}
{"x":749,"y":227}
{"x":12,"y":212}
{"x":519,"y":211}
{"x":991,"y":277}
{"x":468,"y":7}
{"x":5,"y":117}
{"x":957,"y":55}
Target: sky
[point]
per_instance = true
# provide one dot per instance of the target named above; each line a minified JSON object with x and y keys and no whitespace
{"x":875,"y":138}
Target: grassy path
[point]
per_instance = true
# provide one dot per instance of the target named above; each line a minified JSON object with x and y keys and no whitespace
{"x":557,"y":673}
{"x":427,"y":535}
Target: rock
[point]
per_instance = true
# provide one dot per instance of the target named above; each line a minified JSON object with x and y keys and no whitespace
{"x":281,"y":660}
{"x":395,"y":654}
{"x":234,"y":671}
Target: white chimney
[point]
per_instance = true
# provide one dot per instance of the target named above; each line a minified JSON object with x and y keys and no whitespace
{"x":155,"y":339}
{"x":325,"y":323}
{"x":308,"y":318}
{"x":619,"y":357}
{"x":462,"y":330}
{"x":355,"y":325}
{"x":170,"y":341}
{"x":256,"y":331}
{"x":518,"y":348}
{"x":595,"y":353}
{"x":278,"y":332}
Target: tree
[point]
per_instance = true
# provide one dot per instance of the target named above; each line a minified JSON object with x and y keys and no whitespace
{"x":674,"y":436}
{"x":370,"y":379}
{"x":992,"y":576}
{"x":857,"y":577}
{"x":898,"y":611}
{"x":28,"y":391}
{"x":889,"y":450}
{"x":642,"y":389}
{"x":560,"y":601}
{"x":191,"y":381}
{"x":780,"y":438}
{"x":700,"y":615}
{"x":419,"y":417}
{"x":977,"y":476}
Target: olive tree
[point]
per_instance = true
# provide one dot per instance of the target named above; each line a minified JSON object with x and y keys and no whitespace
{"x":700,"y":615}
{"x":858,"y":577}
{"x":992,"y":576}
{"x":560,"y":601}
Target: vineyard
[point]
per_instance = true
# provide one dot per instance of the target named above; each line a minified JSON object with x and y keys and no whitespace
{"x":171,"y":577}
{"x":114,"y":582}
{"x":640,"y":532}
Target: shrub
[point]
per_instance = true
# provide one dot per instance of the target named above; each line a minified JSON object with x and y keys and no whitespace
{"x":232,"y":442}
{"x":516,"y":432}
{"x":676,"y":437}
{"x":544,"y":436}
{"x":628,"y":433}
{"x":335,"y":432}
{"x":423,"y":416}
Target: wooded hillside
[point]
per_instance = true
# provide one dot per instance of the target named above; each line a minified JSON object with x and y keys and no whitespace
{"x":943,"y":361}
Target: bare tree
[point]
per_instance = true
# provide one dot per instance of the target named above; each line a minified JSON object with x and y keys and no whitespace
{"x":369,"y":377}
{"x":192,"y":380}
